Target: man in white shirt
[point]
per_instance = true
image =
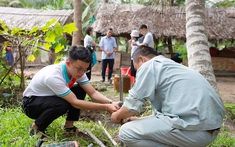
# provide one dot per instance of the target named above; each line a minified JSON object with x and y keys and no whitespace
{"x":56,"y":89}
{"x":108,"y":46}
{"x":148,"y":37}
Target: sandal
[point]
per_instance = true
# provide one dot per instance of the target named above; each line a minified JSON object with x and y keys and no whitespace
{"x":36,"y":132}
{"x":71,"y":129}
{"x":74,"y":130}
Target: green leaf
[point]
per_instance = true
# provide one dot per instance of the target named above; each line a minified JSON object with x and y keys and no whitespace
{"x":70,"y":28}
{"x":47,"y":46}
{"x":15,"y":31}
{"x":33,"y":30}
{"x":86,"y":12}
{"x":58,"y":47}
{"x":4,"y":27}
{"x":46,"y":27}
{"x":50,"y":37}
{"x":58,"y":29}
{"x":31,"y":58}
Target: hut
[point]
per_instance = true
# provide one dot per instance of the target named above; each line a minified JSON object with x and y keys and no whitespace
{"x":29,"y":18}
{"x":163,"y":23}
{"x":167,"y":23}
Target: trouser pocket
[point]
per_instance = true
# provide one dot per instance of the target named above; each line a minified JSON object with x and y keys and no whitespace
{"x":25,"y":104}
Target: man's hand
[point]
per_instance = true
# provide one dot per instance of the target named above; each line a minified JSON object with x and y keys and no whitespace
{"x":114,"y":118}
{"x":111,"y":108}
{"x":109,"y":53}
{"x":121,"y":115}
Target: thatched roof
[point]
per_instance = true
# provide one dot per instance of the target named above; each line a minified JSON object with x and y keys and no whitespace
{"x":28,"y":18}
{"x":163,"y":23}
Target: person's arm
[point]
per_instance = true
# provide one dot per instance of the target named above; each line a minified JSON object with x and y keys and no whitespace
{"x":101,"y":44}
{"x":121,"y":114}
{"x":85,"y":105}
{"x":114,"y":49}
{"x":146,"y":41}
{"x":143,"y":90}
{"x":102,"y":49}
{"x":141,"y":44}
{"x":130,"y":42}
{"x":114,"y":46}
{"x":93,"y":43}
{"x":95,"y":95}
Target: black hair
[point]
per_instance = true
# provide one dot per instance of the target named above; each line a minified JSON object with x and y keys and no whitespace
{"x":110,"y":29}
{"x":144,"y":51}
{"x":88,"y":30}
{"x":79,"y":53}
{"x":143,"y":26}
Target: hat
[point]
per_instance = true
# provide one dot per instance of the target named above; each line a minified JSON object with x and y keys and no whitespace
{"x":134,"y":33}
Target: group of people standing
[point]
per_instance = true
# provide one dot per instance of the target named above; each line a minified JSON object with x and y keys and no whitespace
{"x":108,"y":46}
{"x":186,"y":109}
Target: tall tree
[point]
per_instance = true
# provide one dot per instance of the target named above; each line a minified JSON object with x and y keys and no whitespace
{"x":77,"y":35}
{"x":199,"y":57}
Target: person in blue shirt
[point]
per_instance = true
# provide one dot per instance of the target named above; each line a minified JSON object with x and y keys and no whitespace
{"x":186,"y":109}
{"x":9,"y":57}
{"x":108,"y":47}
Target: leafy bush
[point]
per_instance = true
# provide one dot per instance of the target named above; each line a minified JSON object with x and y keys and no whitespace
{"x":230,"y":111}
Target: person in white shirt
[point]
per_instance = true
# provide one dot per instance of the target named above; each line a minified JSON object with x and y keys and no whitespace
{"x":108,"y":47}
{"x":90,"y":44}
{"x":56,"y":90}
{"x":148,"y":37}
{"x":134,"y":39}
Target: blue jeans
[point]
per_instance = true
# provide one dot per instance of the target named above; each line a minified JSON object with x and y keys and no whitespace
{"x":110,"y":63}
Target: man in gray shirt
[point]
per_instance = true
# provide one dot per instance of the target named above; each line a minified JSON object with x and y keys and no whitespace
{"x":148,"y":37}
{"x":187,"y":111}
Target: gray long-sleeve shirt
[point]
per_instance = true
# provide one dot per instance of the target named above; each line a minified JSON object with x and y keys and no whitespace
{"x":176,"y":91}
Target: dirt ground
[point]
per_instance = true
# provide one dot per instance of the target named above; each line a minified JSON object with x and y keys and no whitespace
{"x":226,"y":85}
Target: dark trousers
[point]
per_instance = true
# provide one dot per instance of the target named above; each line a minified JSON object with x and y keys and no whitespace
{"x":110,"y":63}
{"x":133,"y":71}
{"x":45,"y":109}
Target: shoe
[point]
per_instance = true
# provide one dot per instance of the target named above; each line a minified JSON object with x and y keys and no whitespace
{"x":102,"y":80}
{"x":36,"y":132}
{"x":110,"y":81}
{"x":74,"y":130}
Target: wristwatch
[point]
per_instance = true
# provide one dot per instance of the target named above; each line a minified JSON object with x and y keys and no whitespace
{"x":111,"y":101}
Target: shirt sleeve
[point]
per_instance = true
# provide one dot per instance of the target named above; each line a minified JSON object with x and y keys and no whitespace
{"x":83,"y":80}
{"x":147,"y":39}
{"x":143,"y":89}
{"x":90,"y":40}
{"x":58,"y":86}
{"x":101,"y":42}
{"x":114,"y":43}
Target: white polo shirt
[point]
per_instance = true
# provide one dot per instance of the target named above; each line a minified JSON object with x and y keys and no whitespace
{"x":52,"y":80}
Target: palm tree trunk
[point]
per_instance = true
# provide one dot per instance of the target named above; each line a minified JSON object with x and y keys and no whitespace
{"x":77,"y":35}
{"x":199,"y":58}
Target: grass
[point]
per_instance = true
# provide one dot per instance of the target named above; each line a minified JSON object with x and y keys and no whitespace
{"x":14,"y":130}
